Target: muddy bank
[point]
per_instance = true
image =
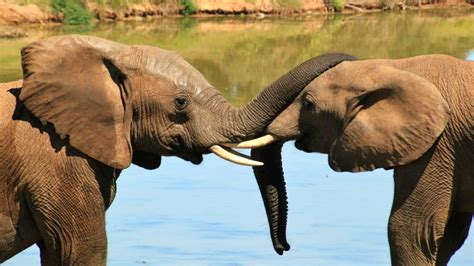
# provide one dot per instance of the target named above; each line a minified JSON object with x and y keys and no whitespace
{"x":11,"y":13}
{"x":14,"y":13}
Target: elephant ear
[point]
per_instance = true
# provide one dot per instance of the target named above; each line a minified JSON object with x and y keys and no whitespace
{"x":393,"y":120}
{"x":78,"y":84}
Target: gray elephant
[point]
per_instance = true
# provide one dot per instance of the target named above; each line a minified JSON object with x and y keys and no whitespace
{"x":86,"y":109}
{"x":413,"y":115}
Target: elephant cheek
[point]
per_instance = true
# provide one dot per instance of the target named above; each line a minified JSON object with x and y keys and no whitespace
{"x":284,"y":130}
{"x":286,"y":125}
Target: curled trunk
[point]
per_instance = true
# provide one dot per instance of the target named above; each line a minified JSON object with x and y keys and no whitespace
{"x":232,"y":125}
{"x":253,"y":119}
{"x":248,"y":121}
{"x":272,"y":187}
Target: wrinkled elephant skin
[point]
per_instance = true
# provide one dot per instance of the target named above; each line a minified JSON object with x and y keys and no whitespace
{"x":85,"y":110}
{"x":413,"y":115}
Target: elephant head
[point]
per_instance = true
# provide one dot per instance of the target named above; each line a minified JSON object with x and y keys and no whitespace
{"x":123,"y":104}
{"x":364,"y":114}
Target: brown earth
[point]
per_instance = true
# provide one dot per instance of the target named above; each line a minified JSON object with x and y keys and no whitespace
{"x":11,"y":13}
{"x":16,"y":14}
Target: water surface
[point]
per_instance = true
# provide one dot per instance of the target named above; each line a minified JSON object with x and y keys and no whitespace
{"x":212,"y":214}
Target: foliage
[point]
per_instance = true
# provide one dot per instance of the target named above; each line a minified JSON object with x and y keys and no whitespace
{"x":75,"y":13}
{"x":188,"y":24}
{"x":123,"y":4}
{"x":189,"y":7}
{"x":338,"y":5}
{"x":242,"y":43}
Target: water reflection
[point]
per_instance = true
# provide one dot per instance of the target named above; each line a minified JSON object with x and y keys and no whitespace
{"x":241,"y":56}
{"x":470,"y":55}
{"x":212,"y":213}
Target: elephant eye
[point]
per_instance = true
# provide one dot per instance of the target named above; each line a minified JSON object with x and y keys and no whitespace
{"x":181,"y":103}
{"x":307,"y":104}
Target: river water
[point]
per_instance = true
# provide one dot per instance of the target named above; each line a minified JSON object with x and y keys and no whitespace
{"x":212,"y":214}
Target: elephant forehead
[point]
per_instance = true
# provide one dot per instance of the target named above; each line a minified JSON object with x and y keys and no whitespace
{"x":173,"y":67}
{"x":353,"y":77}
{"x":329,"y":92}
{"x":153,"y":85}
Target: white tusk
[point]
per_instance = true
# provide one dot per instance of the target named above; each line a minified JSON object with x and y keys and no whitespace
{"x":233,"y":156}
{"x":253,"y":143}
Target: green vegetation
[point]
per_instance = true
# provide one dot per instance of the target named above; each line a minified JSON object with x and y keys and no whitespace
{"x":189,"y":7}
{"x":123,"y":4}
{"x":338,"y":5}
{"x":242,"y":55}
{"x":75,"y":13}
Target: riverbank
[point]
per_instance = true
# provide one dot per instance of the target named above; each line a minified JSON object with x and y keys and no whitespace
{"x":76,"y":12}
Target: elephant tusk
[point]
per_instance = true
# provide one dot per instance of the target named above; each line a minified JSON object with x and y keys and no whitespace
{"x":233,"y":156}
{"x":253,"y":143}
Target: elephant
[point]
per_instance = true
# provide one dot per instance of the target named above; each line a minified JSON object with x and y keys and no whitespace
{"x":413,"y":115}
{"x":86,"y":109}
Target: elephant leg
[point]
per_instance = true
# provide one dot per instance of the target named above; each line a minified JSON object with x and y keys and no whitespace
{"x":454,"y":235}
{"x":420,"y":211}
{"x":46,"y":258}
{"x":71,"y":221}
{"x":72,"y":238}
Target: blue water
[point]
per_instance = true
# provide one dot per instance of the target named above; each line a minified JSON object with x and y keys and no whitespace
{"x":213,"y":214}
{"x":470,"y":55}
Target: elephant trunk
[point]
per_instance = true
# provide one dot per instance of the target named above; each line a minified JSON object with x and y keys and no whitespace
{"x":272,"y":187}
{"x":237,"y":124}
{"x":250,"y":120}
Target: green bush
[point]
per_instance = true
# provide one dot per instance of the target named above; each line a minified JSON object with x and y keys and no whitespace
{"x":189,"y":7}
{"x":75,"y":13}
{"x":338,"y":5}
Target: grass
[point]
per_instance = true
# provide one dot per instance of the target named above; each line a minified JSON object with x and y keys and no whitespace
{"x":123,"y":4}
{"x":271,"y":47}
{"x":75,"y":12}
{"x":338,"y":5}
{"x":189,"y":7}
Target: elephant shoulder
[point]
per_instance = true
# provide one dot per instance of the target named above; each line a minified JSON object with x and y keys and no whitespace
{"x":18,"y":126}
{"x":8,"y":101}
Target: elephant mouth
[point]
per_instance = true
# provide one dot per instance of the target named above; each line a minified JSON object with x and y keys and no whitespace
{"x":254,"y":143}
{"x":194,"y":158}
{"x":228,"y":154}
{"x":301,"y":144}
{"x":225,"y":153}
{"x":180,"y":147}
